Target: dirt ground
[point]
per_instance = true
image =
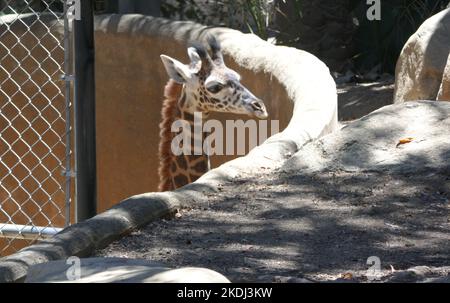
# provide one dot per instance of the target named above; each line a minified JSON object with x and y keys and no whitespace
{"x":359,"y":99}
{"x":282,"y":226}
{"x":319,"y":227}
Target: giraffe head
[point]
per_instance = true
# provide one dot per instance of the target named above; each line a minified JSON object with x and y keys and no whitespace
{"x":210,"y":86}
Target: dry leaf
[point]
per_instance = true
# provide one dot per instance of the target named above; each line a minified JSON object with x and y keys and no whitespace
{"x":404,"y":141}
{"x":347,"y":276}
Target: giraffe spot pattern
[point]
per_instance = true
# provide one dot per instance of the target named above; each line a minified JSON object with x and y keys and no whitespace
{"x":180,"y":180}
{"x":200,"y":167}
{"x":181,"y":161}
{"x":173,"y":167}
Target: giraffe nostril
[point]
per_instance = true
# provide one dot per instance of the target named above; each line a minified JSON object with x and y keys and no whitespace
{"x":256,"y":105}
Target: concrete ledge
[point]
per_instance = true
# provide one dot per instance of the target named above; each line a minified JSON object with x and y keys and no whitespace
{"x":120,"y":270}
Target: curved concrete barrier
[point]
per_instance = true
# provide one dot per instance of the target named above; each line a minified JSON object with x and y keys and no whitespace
{"x":296,"y":86}
{"x":119,"y":270}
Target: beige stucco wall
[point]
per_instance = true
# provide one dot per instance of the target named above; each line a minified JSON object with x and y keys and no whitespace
{"x":129,"y":93}
{"x":130,"y":81}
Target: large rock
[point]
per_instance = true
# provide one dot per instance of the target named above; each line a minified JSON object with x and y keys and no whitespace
{"x":420,"y":67}
{"x":421,"y":274}
{"x":118,"y":270}
{"x":444,"y":91}
{"x":372,"y":143}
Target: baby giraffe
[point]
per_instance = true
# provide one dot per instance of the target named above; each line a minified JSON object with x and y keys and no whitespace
{"x":202,"y":86}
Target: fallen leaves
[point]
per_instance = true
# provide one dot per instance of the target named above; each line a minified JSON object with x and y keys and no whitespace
{"x":404,"y":141}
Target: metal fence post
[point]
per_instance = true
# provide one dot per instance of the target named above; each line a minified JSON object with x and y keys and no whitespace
{"x":84,"y":106}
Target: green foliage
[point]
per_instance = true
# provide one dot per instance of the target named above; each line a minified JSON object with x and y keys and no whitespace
{"x":380,"y":42}
{"x":245,"y":15}
{"x":29,"y":6}
{"x":287,"y":20}
{"x":258,"y":14}
{"x":11,"y":7}
{"x":377,"y":43}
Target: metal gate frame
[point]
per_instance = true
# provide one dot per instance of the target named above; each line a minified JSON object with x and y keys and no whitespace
{"x":84,"y":107}
{"x":83,"y":84}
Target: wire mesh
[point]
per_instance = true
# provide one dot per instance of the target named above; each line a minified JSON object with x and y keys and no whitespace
{"x":34,"y":122}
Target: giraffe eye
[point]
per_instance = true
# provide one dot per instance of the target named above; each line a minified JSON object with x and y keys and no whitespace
{"x":215,"y":88}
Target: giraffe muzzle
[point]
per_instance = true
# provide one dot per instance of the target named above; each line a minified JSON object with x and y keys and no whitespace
{"x":259,"y":109}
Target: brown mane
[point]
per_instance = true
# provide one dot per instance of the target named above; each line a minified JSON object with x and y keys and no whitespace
{"x":169,"y":113}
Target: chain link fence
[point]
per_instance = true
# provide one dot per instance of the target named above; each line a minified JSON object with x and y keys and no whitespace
{"x":35,"y":117}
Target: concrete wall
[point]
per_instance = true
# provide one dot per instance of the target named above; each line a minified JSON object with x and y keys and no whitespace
{"x":130,"y":80}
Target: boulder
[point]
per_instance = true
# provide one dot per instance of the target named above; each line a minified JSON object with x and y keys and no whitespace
{"x":421,"y":274}
{"x":408,"y":138}
{"x":420,"y":67}
{"x":118,"y":270}
{"x":444,"y":91}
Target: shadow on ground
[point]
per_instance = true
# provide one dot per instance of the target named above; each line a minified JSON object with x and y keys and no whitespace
{"x":358,"y":99}
{"x":347,"y":197}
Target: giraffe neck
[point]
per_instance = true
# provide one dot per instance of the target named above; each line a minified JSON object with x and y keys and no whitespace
{"x":177,"y":171}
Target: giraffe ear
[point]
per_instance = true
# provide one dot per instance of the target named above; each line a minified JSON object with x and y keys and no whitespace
{"x":176,"y":70}
{"x":196,"y":61}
